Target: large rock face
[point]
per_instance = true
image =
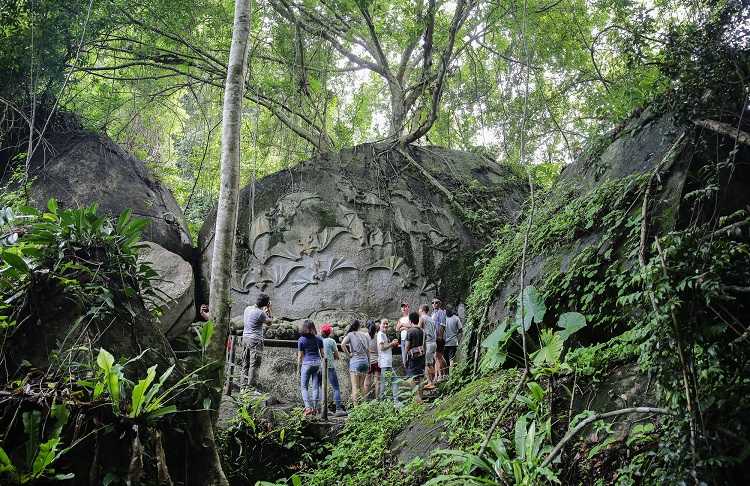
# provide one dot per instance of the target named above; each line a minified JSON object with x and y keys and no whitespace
{"x":638,"y":147}
{"x":175,"y":288}
{"x":355,"y":231}
{"x":81,"y":168}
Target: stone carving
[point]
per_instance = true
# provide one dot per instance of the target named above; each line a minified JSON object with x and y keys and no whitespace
{"x":290,"y":251}
{"x":318,"y":242}
{"x":427,"y":287}
{"x":411,"y":225}
{"x":302,"y":280}
{"x":255,"y":275}
{"x":258,"y":228}
{"x":336,"y":264}
{"x":281,"y":271}
{"x":391,"y":263}
{"x":380,"y":239}
{"x":353,"y":223}
{"x":337,"y":236}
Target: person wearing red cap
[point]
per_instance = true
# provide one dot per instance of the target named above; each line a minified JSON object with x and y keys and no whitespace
{"x":332,"y":353}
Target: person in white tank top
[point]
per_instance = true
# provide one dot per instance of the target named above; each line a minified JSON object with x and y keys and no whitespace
{"x":403,"y":325}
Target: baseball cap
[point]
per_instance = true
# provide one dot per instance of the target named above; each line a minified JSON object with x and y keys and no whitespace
{"x":326,"y":328}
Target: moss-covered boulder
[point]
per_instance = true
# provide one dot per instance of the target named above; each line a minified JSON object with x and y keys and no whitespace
{"x":361,"y":230}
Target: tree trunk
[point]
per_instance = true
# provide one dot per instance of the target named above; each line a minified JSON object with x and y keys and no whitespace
{"x":226,"y":218}
{"x":226,"y":214}
{"x":398,"y":110}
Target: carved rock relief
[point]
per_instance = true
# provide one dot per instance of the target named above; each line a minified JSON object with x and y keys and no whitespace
{"x":291,"y":251}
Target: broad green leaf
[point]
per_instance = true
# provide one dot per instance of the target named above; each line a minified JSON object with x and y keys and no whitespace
{"x":149,"y":401}
{"x":139,"y":392}
{"x":61,"y":414}
{"x":550,"y":351}
{"x":530,"y":438}
{"x":520,"y":437}
{"x":518,"y":474}
{"x":46,"y":456}
{"x":105,"y":360}
{"x":15,"y":260}
{"x":5,"y":463}
{"x":160,"y":412}
{"x":570,"y":322}
{"x":52,"y":206}
{"x":533,"y":307}
{"x":536,"y":391}
{"x":113,"y":385}
{"x":499,"y":334}
{"x":31,"y":428}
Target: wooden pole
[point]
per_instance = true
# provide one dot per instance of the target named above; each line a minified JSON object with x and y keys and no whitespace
{"x":231,"y":343}
{"x":324,"y":411}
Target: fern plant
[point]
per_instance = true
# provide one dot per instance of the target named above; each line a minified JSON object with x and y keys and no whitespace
{"x":520,"y":465}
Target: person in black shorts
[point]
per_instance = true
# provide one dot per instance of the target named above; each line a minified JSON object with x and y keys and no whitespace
{"x":415,"y":354}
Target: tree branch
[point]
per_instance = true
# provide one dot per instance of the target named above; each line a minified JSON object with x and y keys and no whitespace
{"x":572,"y":433}
{"x":725,"y":129}
{"x":459,"y":17}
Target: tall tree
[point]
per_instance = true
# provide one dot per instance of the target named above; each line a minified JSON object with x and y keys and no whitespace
{"x":226,"y":216}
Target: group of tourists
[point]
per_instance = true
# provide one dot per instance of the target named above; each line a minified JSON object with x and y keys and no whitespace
{"x":428,"y":344}
{"x":428,"y":340}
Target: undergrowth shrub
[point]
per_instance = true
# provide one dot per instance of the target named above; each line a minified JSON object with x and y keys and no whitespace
{"x":259,"y":444}
{"x":361,"y":455}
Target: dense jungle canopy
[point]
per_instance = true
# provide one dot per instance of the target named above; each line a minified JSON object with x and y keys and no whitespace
{"x":571,"y":174}
{"x":327,"y":75}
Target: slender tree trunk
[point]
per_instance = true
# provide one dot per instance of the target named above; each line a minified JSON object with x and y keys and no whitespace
{"x":226,"y":224}
{"x":226,"y":214}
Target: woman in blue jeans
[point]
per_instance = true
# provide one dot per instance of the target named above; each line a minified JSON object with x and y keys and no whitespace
{"x":309,"y":348}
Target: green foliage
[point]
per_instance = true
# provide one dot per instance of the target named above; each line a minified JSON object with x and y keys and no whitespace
{"x":521,"y":465}
{"x":204,"y":332}
{"x":547,"y":358}
{"x":72,"y":256}
{"x":688,"y":302}
{"x":559,"y":220}
{"x":259,"y":445}
{"x":141,"y":400}
{"x":361,"y":450}
{"x":468,"y":413}
{"x":39,"y":454}
{"x":91,"y":259}
{"x":531,"y":308}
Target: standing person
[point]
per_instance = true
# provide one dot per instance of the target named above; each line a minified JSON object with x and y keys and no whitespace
{"x":415,"y":354}
{"x":332,"y":354}
{"x":252,"y":339}
{"x":430,"y":333}
{"x":402,"y":326}
{"x":357,"y":344}
{"x":385,"y":361}
{"x":438,"y":316}
{"x":453,"y":330}
{"x":372,"y":380}
{"x":309,"y":348}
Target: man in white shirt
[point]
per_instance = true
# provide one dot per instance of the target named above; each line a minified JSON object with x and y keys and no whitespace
{"x":402,"y":327}
{"x":385,"y":361}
